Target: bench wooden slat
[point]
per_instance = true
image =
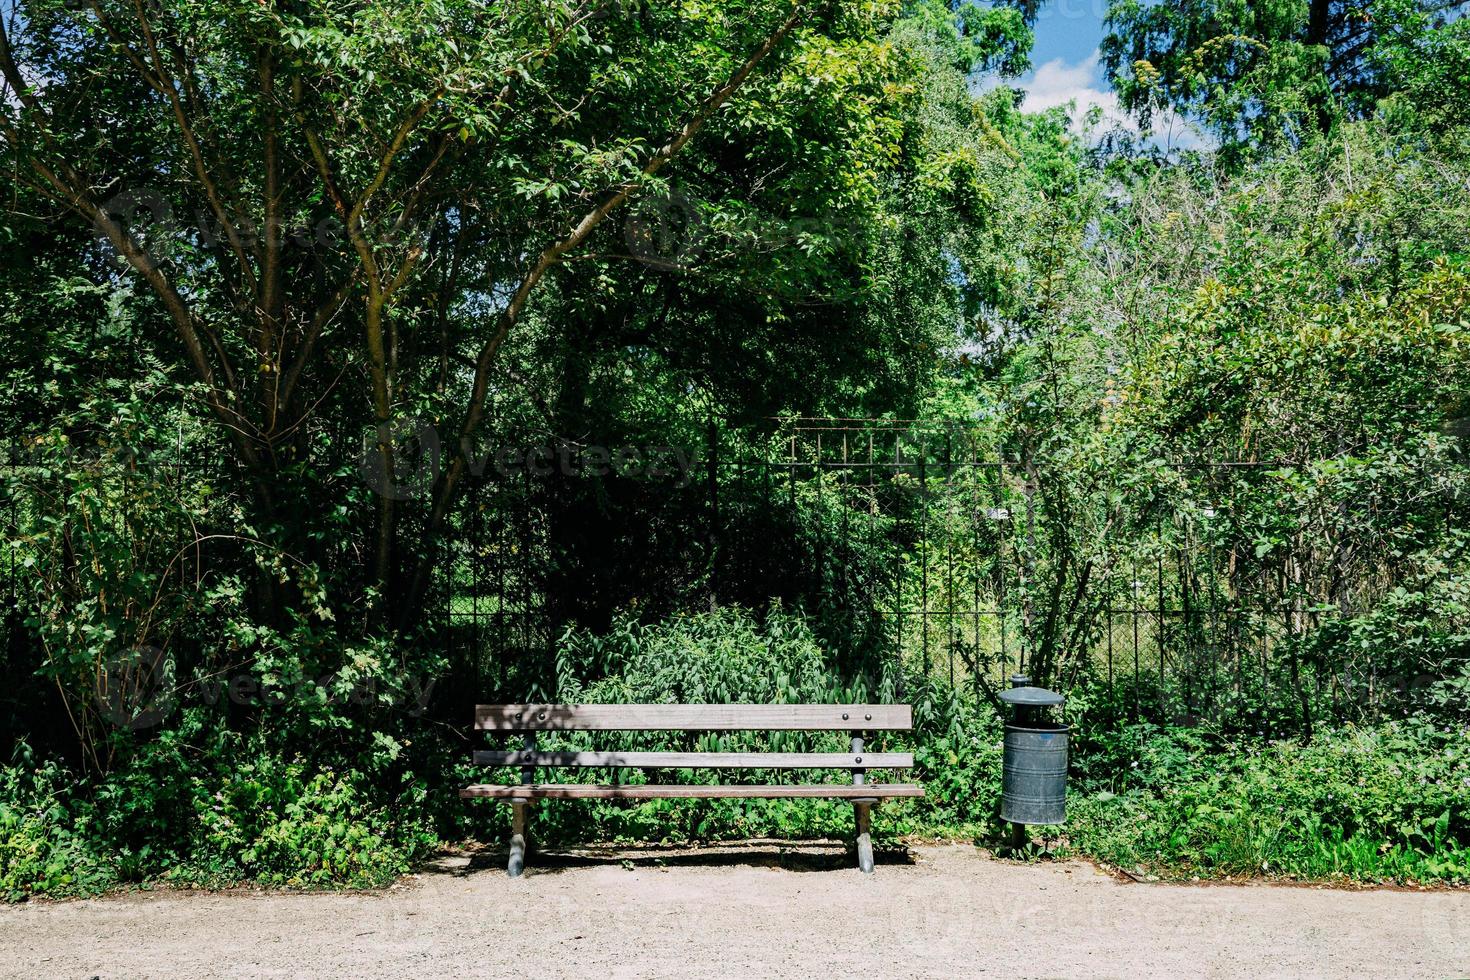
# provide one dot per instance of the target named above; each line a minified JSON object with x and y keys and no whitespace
{"x":693,"y":717}
{"x":588,"y":791}
{"x":700,"y":760}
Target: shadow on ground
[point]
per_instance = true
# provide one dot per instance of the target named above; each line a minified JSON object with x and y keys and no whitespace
{"x":761,"y":854}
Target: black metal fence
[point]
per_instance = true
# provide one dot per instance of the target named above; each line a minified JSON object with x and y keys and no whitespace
{"x":924,"y":547}
{"x":921,"y":551}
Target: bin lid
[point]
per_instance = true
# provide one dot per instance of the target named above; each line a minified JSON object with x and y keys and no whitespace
{"x":1032,"y":697}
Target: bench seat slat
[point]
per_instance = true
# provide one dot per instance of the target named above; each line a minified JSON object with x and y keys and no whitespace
{"x":701,"y":760}
{"x":693,"y":717}
{"x":589,"y":791}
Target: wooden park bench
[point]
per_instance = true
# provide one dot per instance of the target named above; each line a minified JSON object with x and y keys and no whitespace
{"x":528,"y":719}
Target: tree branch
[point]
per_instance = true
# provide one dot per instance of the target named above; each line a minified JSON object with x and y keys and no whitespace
{"x":196,"y":153}
{"x":70,"y":186}
{"x":270,"y":270}
{"x":449,"y":482}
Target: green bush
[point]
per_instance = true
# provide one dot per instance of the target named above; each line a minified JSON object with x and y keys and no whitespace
{"x":282,"y":823}
{"x":1389,"y":803}
{"x":44,"y":845}
{"x":725,"y":656}
{"x":734,"y":656}
{"x":198,"y":804}
{"x":237,"y":817}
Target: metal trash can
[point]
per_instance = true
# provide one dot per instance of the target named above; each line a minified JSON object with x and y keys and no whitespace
{"x":1034,"y":765}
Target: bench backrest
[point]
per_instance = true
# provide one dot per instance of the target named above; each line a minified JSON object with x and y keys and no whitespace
{"x":693,"y":717}
{"x":527,"y":719}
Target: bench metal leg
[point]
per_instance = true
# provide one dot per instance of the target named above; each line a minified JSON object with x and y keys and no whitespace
{"x":862,"y":809}
{"x":517,"y":840}
{"x":863,"y":813}
{"x":517,"y":862}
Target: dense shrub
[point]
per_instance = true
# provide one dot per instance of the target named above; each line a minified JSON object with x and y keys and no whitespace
{"x":236,"y":817}
{"x":196,"y":805}
{"x":45,"y":848}
{"x":1388,"y":803}
{"x":731,"y":656}
{"x":725,"y":656}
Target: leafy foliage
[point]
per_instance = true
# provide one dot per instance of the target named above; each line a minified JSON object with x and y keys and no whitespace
{"x":1266,"y":71}
{"x":1381,"y":804}
{"x":293,"y":273}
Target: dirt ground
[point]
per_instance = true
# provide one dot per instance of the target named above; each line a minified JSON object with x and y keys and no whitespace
{"x":758,"y":910}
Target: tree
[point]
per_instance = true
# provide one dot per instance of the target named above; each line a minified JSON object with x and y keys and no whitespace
{"x":1252,"y":70}
{"x":281,"y":177}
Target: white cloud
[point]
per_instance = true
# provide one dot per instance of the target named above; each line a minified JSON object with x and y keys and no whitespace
{"x":1081,"y":84}
{"x":1057,"y":83}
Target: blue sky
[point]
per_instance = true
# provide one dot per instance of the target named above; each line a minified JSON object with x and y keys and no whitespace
{"x":1066,"y":57}
{"x":1069,"y":30}
{"x":1068,"y":69}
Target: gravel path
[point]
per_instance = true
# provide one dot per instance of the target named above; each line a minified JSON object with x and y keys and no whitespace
{"x":761,"y":910}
